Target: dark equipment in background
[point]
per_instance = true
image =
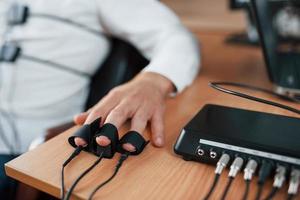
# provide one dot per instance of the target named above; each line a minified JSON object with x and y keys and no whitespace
{"x":282,"y":57}
{"x":251,"y":36}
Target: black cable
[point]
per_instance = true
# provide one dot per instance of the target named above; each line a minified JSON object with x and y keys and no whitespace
{"x":4,"y":139}
{"x":279,"y":179}
{"x":216,"y":85}
{"x":246,"y":193}
{"x":68,"y":196}
{"x":249,"y":171}
{"x":213,"y":186}
{"x":230,"y":180}
{"x":11,"y":122}
{"x":235,"y":167}
{"x":255,"y":88}
{"x":70,"y":22}
{"x":263,"y":174}
{"x":12,"y":148}
{"x":221,"y":165}
{"x":272,"y":193}
{"x":117,"y":168}
{"x":2,"y":134}
{"x":290,"y":197}
{"x":75,"y":153}
{"x":55,"y":65}
{"x":259,"y":192}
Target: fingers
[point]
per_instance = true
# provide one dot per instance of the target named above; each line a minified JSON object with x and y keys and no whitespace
{"x":103,"y":141}
{"x":138,"y":124}
{"x":80,"y":118}
{"x":101,"y":109}
{"x":157,"y":128}
{"x":80,"y":142}
{"x":118,"y":116}
{"x":139,"y":121}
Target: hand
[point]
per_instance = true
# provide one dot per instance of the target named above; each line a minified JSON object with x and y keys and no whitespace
{"x":142,"y":100}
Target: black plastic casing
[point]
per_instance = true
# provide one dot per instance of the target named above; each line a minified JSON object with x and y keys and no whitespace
{"x":249,"y":134}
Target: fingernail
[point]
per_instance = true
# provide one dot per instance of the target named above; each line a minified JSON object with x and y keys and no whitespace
{"x":159,"y":142}
{"x":103,"y":140}
{"x":79,"y":142}
{"x":129,"y":147}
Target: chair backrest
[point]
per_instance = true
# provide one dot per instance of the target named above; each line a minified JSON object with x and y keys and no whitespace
{"x":122,"y":64}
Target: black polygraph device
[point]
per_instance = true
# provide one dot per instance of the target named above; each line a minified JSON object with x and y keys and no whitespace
{"x":216,"y":130}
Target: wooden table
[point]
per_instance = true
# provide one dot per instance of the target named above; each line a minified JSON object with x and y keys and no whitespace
{"x":159,"y":173}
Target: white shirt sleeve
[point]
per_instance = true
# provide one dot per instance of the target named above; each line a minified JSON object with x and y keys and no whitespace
{"x":158,"y":33}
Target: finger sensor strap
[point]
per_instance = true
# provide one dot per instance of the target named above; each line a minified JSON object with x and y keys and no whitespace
{"x":135,"y":139}
{"x":86,"y":133}
{"x":111,"y":132}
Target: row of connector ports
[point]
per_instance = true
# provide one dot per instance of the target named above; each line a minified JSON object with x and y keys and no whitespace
{"x":251,"y":164}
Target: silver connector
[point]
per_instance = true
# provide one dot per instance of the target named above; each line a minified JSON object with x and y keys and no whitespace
{"x":294,"y":182}
{"x":200,"y":152}
{"x":213,"y":154}
{"x":235,"y":167}
{"x":279,"y":176}
{"x":250,"y":169}
{"x":222,"y":163}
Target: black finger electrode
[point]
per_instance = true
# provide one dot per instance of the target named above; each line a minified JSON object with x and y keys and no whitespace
{"x":136,"y":140}
{"x":133,"y":138}
{"x":87,"y":133}
{"x":111,"y":132}
{"x":90,"y":132}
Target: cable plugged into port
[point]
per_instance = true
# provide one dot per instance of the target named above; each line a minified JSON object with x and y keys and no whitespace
{"x":249,"y":170}
{"x":221,"y":164}
{"x":263,"y":174}
{"x":75,"y":153}
{"x":278,"y":181}
{"x":234,"y":170}
{"x":235,"y":167}
{"x":294,"y":183}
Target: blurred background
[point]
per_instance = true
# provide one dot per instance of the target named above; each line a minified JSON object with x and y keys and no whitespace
{"x":199,"y":15}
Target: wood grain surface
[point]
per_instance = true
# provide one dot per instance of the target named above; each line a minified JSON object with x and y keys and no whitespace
{"x":158,"y":173}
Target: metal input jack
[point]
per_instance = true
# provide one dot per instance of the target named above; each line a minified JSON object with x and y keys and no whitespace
{"x":200,"y":152}
{"x":213,"y":154}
